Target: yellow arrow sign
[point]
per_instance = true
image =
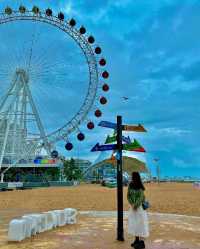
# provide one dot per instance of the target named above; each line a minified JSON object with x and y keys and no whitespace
{"x":138,"y":128}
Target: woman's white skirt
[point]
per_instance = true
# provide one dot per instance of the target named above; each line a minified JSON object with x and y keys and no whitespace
{"x":138,"y":224}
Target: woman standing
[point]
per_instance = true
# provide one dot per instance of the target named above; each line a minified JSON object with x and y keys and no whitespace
{"x":137,"y":218}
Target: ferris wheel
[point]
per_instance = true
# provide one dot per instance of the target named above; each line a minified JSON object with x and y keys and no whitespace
{"x":38,"y":105}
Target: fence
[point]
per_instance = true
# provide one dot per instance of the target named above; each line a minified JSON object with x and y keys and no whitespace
{"x":29,"y":185}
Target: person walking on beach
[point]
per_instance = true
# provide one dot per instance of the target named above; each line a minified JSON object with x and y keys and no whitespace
{"x":137,"y":216}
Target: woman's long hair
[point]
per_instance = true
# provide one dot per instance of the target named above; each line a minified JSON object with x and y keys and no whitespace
{"x":136,"y":182}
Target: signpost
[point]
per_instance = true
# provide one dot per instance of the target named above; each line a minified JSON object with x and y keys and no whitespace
{"x":108,"y":124}
{"x":111,"y":139}
{"x":127,"y":140}
{"x":120,"y":228}
{"x":134,"y":146}
{"x":137,"y":128}
{"x":128,"y":145}
{"x":104,"y":147}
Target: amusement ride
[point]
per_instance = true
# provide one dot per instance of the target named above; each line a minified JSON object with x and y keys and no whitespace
{"x":58,"y":63}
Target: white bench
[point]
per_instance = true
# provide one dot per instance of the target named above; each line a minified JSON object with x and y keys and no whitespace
{"x":71,"y":220}
{"x":51,"y":220}
{"x":70,"y":215}
{"x":17,"y":230}
{"x":41,"y":221}
{"x":70,"y":211}
{"x":60,"y":214}
{"x":31,"y":224}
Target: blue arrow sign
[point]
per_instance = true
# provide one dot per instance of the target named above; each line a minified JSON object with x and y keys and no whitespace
{"x":127,"y":140}
{"x":104,"y":147}
{"x":108,"y":124}
{"x":117,"y":156}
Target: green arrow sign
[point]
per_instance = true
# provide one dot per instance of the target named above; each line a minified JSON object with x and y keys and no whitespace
{"x":111,"y":139}
{"x":135,"y":146}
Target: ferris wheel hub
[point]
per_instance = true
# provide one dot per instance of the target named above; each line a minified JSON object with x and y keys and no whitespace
{"x":22,"y":73}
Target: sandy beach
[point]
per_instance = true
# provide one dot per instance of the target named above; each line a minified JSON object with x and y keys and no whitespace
{"x":174,"y":198}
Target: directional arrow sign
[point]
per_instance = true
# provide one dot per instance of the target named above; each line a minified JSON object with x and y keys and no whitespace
{"x":138,"y":128}
{"x":112,"y":139}
{"x":127,"y":140}
{"x":105,"y":147}
{"x":108,"y":124}
{"x":135,"y":146}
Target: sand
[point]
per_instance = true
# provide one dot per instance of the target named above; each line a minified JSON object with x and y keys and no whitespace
{"x":100,"y":233}
{"x":166,"y":198}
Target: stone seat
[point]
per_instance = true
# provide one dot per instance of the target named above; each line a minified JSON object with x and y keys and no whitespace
{"x":17,"y":230}
{"x":60,"y":214}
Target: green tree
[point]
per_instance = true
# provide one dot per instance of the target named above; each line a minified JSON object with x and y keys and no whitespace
{"x":71,"y":170}
{"x":51,"y":174}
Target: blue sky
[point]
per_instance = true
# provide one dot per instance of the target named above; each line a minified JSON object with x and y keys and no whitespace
{"x":152,"y":49}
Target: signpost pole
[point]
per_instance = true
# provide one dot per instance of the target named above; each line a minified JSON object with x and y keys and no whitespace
{"x":120,"y":228}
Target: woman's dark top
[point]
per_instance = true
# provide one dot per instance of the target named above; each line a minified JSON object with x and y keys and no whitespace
{"x":135,"y":197}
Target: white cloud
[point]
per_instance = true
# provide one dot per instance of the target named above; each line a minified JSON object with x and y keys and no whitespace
{"x":168,"y":131}
{"x":180,"y":163}
{"x":70,"y":10}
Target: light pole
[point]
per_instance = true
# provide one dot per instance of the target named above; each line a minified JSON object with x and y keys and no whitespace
{"x":157,"y":169}
{"x":150,"y":175}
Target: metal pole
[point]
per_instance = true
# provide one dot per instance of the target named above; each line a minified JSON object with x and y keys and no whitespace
{"x":157,"y":169}
{"x":120,"y":229}
{"x":150,"y":176}
{"x":158,"y":173}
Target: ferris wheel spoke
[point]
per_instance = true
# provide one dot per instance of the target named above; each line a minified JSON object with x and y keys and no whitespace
{"x":43,"y":67}
{"x":8,"y":67}
{"x":40,"y":59}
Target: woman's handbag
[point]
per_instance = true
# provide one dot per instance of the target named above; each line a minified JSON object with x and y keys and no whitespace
{"x":145,"y":205}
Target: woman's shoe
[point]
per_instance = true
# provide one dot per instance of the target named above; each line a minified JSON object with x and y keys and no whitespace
{"x":141,"y":245}
{"x":138,"y":244}
{"x":135,"y":243}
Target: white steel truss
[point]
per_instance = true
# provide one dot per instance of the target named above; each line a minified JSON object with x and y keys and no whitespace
{"x":18,"y":113}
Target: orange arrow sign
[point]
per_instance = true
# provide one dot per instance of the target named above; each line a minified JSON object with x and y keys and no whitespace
{"x":138,"y":128}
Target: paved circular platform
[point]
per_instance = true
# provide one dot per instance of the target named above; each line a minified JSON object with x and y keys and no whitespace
{"x":97,"y":230}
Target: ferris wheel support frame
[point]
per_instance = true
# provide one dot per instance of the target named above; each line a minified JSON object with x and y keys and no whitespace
{"x":21,"y":96}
